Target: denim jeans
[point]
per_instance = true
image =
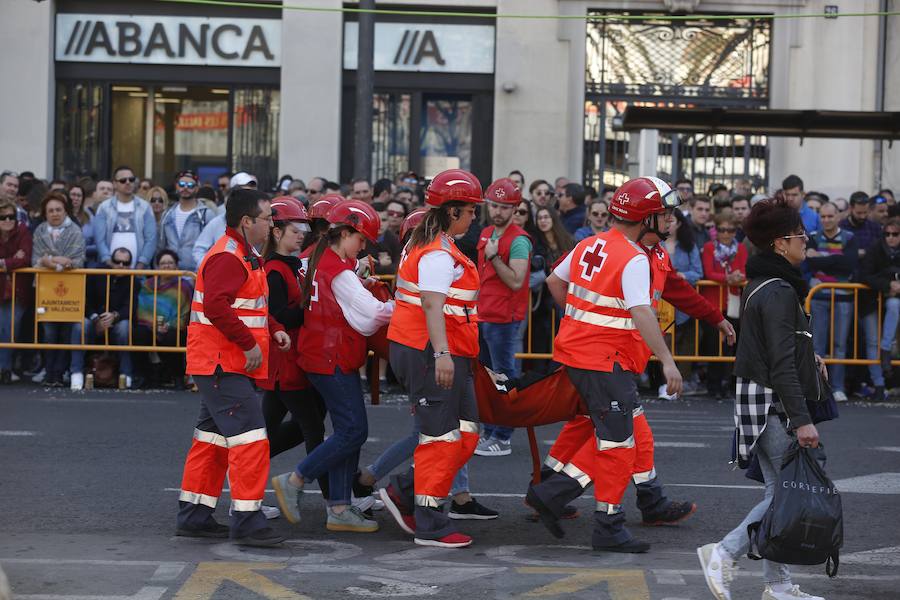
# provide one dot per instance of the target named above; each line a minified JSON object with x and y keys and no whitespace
{"x":770,"y":447}
{"x":869,"y":324}
{"x":338,"y":456}
{"x":889,"y":325}
{"x":821,"y":324}
{"x":56,"y":361}
{"x":118,"y":335}
{"x":501,"y":341}
{"x":6,"y":321}
{"x":402,"y":450}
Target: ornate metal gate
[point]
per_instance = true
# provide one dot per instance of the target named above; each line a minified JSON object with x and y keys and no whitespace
{"x":634,"y":60}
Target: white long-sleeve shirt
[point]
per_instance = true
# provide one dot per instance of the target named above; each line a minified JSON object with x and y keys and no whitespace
{"x":363,"y":311}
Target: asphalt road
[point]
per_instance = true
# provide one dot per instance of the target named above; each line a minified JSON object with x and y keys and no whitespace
{"x":88,"y":486}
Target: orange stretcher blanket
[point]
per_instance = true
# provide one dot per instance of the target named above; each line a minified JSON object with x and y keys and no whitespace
{"x":532,"y":402}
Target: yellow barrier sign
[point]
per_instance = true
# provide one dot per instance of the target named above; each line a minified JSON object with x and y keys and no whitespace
{"x":60,"y":297}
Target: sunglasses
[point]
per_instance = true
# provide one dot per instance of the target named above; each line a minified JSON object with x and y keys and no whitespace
{"x":395,"y":213}
{"x":156,"y":200}
{"x":187,"y":184}
{"x":7,"y":217}
{"x":131,"y":179}
{"x":542,"y":193}
{"x":522,"y":212}
{"x":726,"y":229}
{"x":598,"y":214}
{"x":796,"y":235}
{"x":121,"y":263}
{"x":223,"y":186}
{"x":888,"y":234}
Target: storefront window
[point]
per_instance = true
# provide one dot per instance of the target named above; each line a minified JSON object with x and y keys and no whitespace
{"x":390,"y":135}
{"x":80,"y":133}
{"x":128,"y":118}
{"x":255,"y":135}
{"x":446,"y":136}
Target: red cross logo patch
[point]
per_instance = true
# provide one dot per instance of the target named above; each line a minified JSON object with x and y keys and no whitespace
{"x":592,"y":259}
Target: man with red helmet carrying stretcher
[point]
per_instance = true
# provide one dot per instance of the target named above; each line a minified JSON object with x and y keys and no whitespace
{"x":611,"y":286}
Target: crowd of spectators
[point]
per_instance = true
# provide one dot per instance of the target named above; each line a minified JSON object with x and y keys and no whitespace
{"x":127,"y":223}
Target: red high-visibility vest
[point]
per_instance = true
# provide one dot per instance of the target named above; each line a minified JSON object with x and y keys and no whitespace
{"x":207,"y":347}
{"x":283,"y":367}
{"x":597,"y":330}
{"x":327,"y":340}
{"x":497,"y":302}
{"x":460,"y":313}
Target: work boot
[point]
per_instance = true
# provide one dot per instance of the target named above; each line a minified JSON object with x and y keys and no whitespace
{"x":610,"y":533}
{"x":210,"y":529}
{"x":671,"y":514}
{"x":261,"y":538}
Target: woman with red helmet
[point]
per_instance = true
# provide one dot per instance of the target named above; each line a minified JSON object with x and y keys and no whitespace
{"x":434,"y":337}
{"x":317,"y":221}
{"x":341,"y":313}
{"x":287,"y":388}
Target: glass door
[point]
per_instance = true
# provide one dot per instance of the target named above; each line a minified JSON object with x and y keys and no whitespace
{"x":445,"y":134}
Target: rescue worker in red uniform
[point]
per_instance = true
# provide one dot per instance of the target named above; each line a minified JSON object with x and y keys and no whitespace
{"x":434,"y":337}
{"x":286,"y":388}
{"x":577,"y":436}
{"x":228,"y":347}
{"x":504,"y":258}
{"x":317,"y":222}
{"x":606,"y":337}
{"x":342,"y":312}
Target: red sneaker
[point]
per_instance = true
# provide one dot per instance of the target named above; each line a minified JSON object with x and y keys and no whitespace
{"x":453,"y":540}
{"x":403,"y":518}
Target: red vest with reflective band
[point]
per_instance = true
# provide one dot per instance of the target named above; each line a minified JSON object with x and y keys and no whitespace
{"x":283,"y":367}
{"x":207,"y":347}
{"x":328,"y":340}
{"x":497,"y":302}
{"x":597,"y":330}
{"x":460,"y":312}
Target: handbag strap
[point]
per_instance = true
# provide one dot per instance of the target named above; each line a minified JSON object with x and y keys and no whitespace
{"x":759,"y":287}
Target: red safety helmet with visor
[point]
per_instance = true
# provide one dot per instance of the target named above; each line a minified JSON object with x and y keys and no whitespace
{"x":287,"y":209}
{"x":358,"y":215}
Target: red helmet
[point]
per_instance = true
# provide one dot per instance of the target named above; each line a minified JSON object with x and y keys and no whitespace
{"x":358,"y":215}
{"x":288,"y":208}
{"x":504,"y":191}
{"x":453,"y":185}
{"x":412,"y":221}
{"x":319,"y":209}
{"x":638,"y":198}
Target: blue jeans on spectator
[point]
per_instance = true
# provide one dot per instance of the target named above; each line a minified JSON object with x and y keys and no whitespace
{"x":118,"y":335}
{"x":889,"y":325}
{"x":56,"y":361}
{"x":402,"y":450}
{"x":338,"y":455}
{"x":6,"y":322}
{"x":821,"y":323}
{"x":869,"y":324}
{"x":502,"y":340}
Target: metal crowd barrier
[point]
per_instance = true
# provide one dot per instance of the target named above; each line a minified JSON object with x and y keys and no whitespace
{"x":180,"y":335}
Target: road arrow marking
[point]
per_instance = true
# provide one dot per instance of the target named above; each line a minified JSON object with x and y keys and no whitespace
{"x":208,"y":576}
{"x":622,"y":584}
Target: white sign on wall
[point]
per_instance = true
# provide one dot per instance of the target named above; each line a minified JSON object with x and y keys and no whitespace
{"x":162,"y":40}
{"x":425,"y":47}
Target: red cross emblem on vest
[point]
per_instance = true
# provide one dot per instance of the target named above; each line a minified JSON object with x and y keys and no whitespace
{"x":592,"y":259}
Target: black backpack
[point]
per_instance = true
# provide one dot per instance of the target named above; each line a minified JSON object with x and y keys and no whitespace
{"x":804,"y":525}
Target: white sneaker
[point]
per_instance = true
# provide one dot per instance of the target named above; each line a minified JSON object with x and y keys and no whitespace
{"x":493,"y":447}
{"x":718,"y":570}
{"x":76,"y":383}
{"x":840,"y":396}
{"x":39,"y":376}
{"x":364,"y":503}
{"x":664,"y":396}
{"x":790,"y":594}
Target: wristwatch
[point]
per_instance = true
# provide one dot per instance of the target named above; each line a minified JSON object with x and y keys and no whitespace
{"x":437,"y":355}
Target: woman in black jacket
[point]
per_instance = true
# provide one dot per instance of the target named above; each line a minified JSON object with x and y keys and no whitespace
{"x":880,"y":270}
{"x":776,"y":372}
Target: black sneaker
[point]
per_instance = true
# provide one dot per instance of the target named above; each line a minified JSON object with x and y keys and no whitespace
{"x":471,"y":510}
{"x":672,"y":514}
{"x":212,"y":529}
{"x":879,"y":395}
{"x":261,"y":538}
{"x":632,"y":546}
{"x":360,"y":490}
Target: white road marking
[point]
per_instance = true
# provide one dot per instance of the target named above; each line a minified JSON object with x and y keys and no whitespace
{"x":716,"y":485}
{"x":882,"y":448}
{"x":167,"y":572}
{"x":12,"y":433}
{"x":660,"y":444}
{"x":668,"y":577}
{"x":876,"y":483}
{"x":145,"y":593}
{"x":391,"y":588}
{"x":885,"y":557}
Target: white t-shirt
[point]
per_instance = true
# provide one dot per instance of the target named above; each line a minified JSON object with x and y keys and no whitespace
{"x":364,"y":313}
{"x":125,"y":230}
{"x":181,"y":218}
{"x":635,"y":279}
{"x":437,"y":272}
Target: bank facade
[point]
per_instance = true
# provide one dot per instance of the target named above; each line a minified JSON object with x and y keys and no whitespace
{"x":163,"y":86}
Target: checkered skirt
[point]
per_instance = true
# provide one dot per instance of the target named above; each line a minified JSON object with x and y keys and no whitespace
{"x":752,"y":406}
